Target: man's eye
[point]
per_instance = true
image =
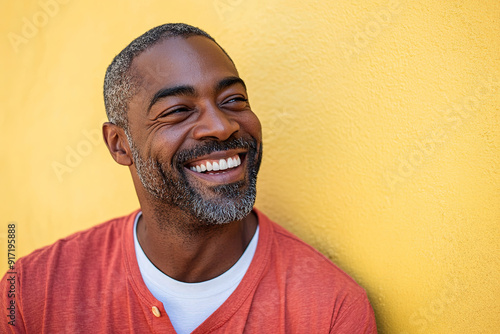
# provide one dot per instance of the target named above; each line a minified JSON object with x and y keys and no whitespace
{"x":175,"y":111}
{"x":238,"y":102}
{"x":237,"y":99}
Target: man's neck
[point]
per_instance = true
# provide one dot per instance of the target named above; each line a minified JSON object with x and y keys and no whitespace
{"x":191,"y":251}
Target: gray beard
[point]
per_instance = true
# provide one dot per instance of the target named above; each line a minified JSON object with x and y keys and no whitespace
{"x":215,"y":205}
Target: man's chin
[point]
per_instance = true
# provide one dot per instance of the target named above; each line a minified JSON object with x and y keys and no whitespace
{"x":231,"y":202}
{"x":233,"y":191}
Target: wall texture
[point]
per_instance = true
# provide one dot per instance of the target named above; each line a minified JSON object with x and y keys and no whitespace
{"x":381,"y":128}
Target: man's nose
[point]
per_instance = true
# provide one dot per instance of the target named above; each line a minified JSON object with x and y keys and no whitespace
{"x":214,"y":123}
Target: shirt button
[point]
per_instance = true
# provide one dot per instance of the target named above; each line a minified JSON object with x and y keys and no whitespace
{"x":156,"y":311}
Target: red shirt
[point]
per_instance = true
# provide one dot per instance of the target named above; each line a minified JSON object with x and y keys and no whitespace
{"x":90,"y":282}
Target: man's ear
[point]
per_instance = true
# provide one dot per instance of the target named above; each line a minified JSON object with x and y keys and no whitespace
{"x":116,"y":141}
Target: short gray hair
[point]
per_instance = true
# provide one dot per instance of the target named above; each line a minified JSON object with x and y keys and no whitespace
{"x":120,"y":84}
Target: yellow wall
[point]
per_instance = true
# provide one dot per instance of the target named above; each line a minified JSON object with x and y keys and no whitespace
{"x":381,"y":128}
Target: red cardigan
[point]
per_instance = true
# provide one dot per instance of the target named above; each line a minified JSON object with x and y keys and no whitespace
{"x":90,"y":282}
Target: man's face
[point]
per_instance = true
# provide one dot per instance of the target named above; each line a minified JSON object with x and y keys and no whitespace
{"x":196,"y":143}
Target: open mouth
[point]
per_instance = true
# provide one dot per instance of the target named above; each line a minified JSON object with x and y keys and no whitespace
{"x":213,"y":166}
{"x":219,"y":167}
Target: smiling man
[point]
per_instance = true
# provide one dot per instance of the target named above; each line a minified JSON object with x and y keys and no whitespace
{"x":197,"y":257}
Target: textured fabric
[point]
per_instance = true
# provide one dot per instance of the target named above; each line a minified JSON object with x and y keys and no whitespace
{"x":90,"y":282}
{"x":189,"y":304}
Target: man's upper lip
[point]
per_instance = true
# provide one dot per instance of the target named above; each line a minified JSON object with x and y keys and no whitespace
{"x":216,"y":156}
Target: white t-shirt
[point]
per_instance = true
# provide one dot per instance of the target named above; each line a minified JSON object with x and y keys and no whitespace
{"x":189,"y":304}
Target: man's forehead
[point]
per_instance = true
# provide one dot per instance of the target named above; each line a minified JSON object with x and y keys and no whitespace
{"x":178,"y":58}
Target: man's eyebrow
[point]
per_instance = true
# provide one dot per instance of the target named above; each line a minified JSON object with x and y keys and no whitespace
{"x":229,"y":81}
{"x":172,"y":91}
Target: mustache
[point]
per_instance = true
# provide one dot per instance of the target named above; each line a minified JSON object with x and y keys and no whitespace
{"x":181,"y":157}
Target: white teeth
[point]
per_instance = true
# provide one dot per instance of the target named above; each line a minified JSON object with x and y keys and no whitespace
{"x":222,"y":164}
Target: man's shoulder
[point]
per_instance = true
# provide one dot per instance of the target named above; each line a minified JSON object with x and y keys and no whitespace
{"x":86,"y":244}
{"x":317,"y":291}
{"x":306,"y":264}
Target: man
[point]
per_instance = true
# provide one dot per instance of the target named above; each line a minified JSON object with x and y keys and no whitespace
{"x":196,"y":257}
